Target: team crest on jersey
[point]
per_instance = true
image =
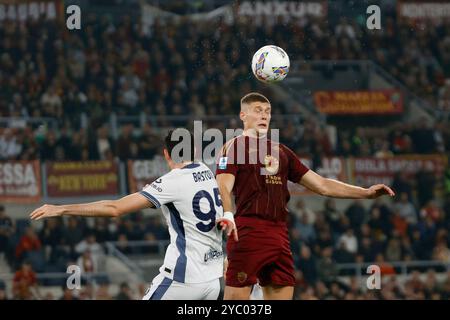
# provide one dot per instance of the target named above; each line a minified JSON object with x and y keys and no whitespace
{"x":223,"y":163}
{"x":241,"y":276}
{"x":271,"y":164}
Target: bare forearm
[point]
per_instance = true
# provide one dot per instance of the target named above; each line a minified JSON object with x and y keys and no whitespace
{"x":104,"y":208}
{"x":227,"y":201}
{"x":338,"y":189}
{"x":226,"y":183}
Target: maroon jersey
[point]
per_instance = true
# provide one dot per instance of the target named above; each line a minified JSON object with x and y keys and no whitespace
{"x":261,"y":176}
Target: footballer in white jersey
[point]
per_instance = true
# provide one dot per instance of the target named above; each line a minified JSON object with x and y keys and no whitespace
{"x":190,"y":201}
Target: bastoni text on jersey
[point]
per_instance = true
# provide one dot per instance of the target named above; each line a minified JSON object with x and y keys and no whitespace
{"x":202,"y":176}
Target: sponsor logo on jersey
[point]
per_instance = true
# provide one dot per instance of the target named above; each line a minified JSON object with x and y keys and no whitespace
{"x":223,"y":163}
{"x":213,"y":254}
{"x":158,"y":180}
{"x":156,"y":187}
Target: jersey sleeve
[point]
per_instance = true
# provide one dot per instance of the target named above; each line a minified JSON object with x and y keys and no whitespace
{"x":161,"y":191}
{"x":226,"y":162}
{"x":296,"y":168}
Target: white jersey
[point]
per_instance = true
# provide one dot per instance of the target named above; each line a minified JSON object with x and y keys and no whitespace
{"x":190,"y":201}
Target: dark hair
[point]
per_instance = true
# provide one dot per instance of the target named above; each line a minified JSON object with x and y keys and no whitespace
{"x":171,"y":143}
{"x":254,"y":97}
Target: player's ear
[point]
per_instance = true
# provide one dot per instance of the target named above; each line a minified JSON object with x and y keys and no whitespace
{"x":167,"y":155}
{"x":243,"y":115}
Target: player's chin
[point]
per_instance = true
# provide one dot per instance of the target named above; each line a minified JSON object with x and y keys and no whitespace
{"x":262,"y":130}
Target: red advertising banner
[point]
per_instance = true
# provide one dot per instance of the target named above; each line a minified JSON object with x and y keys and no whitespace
{"x":143,"y":172}
{"x":359,"y":102}
{"x":369,"y":171}
{"x":23,"y":10}
{"x":89,"y":178}
{"x":333,"y":168}
{"x":20,"y":181}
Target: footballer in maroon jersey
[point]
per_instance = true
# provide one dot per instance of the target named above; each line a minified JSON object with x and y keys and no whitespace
{"x":256,"y":170}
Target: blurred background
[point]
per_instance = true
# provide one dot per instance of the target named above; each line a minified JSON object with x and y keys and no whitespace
{"x":82,"y":114}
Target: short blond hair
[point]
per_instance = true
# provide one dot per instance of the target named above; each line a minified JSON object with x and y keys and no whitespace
{"x":253,"y":97}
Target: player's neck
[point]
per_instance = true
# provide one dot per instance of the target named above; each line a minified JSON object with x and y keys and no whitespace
{"x":181,"y":165}
{"x":250,"y":132}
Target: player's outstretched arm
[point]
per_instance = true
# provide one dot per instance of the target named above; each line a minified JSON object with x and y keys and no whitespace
{"x":225,"y":181}
{"x":105,"y":208}
{"x":337,"y":189}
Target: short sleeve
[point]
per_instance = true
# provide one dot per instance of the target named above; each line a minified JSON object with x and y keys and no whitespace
{"x":296,"y":168}
{"x":159,"y":192}
{"x":226,"y":162}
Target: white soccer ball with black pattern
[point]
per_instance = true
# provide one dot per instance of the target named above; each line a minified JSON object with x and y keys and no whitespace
{"x":270,"y":64}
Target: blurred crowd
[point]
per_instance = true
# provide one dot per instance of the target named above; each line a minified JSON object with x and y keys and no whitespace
{"x":310,"y":139}
{"x":383,"y":233}
{"x":190,"y":69}
{"x":415,"y":286}
{"x":201,"y":69}
{"x":59,"y":243}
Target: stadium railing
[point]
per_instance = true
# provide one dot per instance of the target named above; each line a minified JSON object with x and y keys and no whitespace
{"x":400,"y":267}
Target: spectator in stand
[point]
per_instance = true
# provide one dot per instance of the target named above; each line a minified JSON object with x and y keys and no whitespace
{"x":357,"y":214}
{"x":68,"y":294}
{"x":10,"y":146}
{"x":28,"y":242}
{"x":6,"y":229}
{"x":406,"y":209}
{"x":73,"y":231}
{"x":431,"y":210}
{"x":307,"y":265}
{"x":441,"y":252}
{"x":332,"y":214}
{"x":87,"y":263}
{"x":326,"y":267}
{"x":125,"y":292}
{"x":25,"y":286}
{"x":95,"y":259}
{"x":385,"y":267}
{"x":306,"y":229}
{"x":301,"y":209}
{"x":3,"y":295}
{"x":350,"y":241}
{"x":103,"y":144}
{"x":51,"y":233}
{"x":103,"y":292}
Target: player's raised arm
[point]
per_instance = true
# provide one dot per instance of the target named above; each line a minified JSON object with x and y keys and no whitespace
{"x":225,"y":181}
{"x":337,"y":189}
{"x":105,"y":208}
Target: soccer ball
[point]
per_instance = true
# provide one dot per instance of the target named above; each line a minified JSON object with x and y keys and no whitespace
{"x":270,"y":64}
